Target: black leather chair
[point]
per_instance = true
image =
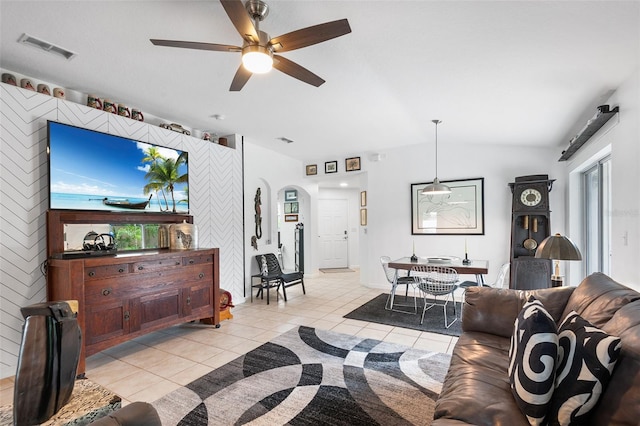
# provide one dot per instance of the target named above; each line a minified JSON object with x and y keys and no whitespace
{"x":271,"y":275}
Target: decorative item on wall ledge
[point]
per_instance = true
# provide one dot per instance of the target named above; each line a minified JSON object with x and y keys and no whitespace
{"x":290,"y":195}
{"x":363,"y":217}
{"x":290,"y":217}
{"x":171,"y":126}
{"x":331,"y":167}
{"x":9,"y":79}
{"x":459,"y":213}
{"x":312,"y":169}
{"x":352,"y":164}
{"x":44,"y":89}
{"x":363,"y":198}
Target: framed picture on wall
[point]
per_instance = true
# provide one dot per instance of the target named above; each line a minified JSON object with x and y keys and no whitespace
{"x":331,"y":167}
{"x":459,"y":213}
{"x":363,"y":198}
{"x":363,"y":217}
{"x":290,"y":217}
{"x":352,"y":164}
{"x":294,"y":207}
{"x":312,"y":169}
{"x":287,"y":208}
{"x":290,"y":195}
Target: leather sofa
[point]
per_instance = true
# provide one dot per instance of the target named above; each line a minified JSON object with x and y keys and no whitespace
{"x":476,"y":389}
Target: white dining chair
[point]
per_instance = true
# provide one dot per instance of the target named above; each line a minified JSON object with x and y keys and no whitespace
{"x":435,"y":282}
{"x":395,"y":281}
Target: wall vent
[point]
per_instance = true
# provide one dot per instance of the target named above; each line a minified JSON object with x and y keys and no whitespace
{"x":46,"y":46}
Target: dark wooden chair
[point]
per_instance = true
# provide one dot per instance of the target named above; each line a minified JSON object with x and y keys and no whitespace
{"x":271,"y":275}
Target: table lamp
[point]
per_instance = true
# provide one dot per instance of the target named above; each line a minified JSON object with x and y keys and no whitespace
{"x":557,"y":248}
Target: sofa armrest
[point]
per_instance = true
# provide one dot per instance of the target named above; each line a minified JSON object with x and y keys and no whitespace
{"x":494,"y":310}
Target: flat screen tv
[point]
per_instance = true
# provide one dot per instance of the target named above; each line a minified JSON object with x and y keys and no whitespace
{"x":90,"y":170}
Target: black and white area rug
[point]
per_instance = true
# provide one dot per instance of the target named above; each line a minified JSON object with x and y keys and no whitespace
{"x":314,"y":377}
{"x":374,"y":311}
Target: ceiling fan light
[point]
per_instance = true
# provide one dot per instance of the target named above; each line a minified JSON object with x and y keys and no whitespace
{"x":257,"y":59}
{"x":436,"y":188}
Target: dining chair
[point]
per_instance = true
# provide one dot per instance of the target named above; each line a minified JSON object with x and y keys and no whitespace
{"x":434,"y":282}
{"x":395,"y":281}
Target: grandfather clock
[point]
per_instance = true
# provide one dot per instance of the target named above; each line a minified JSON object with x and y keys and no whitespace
{"x":529,"y":226}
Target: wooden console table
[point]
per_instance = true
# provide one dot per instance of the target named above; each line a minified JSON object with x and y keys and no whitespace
{"x":125,"y":295}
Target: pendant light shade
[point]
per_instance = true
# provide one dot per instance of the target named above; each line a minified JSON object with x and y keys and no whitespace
{"x":436,"y":188}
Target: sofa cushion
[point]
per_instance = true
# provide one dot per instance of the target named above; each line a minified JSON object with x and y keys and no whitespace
{"x":532,"y":360}
{"x":586,"y":359}
{"x":476,"y":389}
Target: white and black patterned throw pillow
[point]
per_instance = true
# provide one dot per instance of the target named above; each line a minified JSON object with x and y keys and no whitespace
{"x":586,"y":358}
{"x":532,"y":360}
{"x":264,"y":268}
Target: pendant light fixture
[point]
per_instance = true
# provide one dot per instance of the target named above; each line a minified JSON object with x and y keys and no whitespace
{"x":436,"y":188}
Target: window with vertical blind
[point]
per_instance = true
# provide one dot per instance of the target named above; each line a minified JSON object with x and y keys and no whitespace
{"x":597,"y":209}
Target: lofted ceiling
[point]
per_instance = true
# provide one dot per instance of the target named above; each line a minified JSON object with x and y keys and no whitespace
{"x":496,"y":72}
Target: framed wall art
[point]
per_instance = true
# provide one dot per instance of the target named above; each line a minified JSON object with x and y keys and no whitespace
{"x":312,"y":169}
{"x":290,"y":195}
{"x":363,"y":217}
{"x":459,"y":213}
{"x":290,"y":217}
{"x":331,"y":167}
{"x":352,"y":164}
{"x":363,"y":198}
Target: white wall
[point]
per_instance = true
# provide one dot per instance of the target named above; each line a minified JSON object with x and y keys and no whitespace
{"x":274,"y":172}
{"x":389,"y":202}
{"x":620,"y":137}
{"x":215,"y":189}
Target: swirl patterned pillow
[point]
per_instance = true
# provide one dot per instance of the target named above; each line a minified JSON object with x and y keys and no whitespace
{"x":586,"y":358}
{"x":532,"y":360}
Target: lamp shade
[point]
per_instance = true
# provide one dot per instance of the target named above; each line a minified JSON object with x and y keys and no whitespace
{"x":558,"y":247}
{"x":436,"y":188}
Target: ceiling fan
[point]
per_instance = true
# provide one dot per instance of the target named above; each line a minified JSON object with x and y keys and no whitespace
{"x":259,"y":52}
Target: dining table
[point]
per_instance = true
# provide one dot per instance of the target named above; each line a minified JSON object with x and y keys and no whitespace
{"x":473,"y":267}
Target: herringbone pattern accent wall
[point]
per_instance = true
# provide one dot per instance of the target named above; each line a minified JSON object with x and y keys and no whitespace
{"x":215,"y":198}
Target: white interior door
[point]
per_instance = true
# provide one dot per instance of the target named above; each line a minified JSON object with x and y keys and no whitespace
{"x":333,"y":235}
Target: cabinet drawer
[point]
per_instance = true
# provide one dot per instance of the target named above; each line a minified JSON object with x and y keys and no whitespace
{"x":195,"y":260}
{"x":137,"y":285}
{"x":96,"y":272}
{"x":156,"y":264}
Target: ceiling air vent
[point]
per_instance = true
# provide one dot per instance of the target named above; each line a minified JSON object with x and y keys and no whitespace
{"x":46,"y":46}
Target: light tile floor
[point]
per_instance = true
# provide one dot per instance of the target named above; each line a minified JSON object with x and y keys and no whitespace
{"x":149,"y":367}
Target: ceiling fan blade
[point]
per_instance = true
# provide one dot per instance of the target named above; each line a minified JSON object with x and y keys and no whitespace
{"x":196,"y":45}
{"x":240,"y":19}
{"x":310,"y":35}
{"x":296,"y":71}
{"x":240,"y":79}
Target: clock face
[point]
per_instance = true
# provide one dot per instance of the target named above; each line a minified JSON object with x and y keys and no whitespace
{"x":530,"y":197}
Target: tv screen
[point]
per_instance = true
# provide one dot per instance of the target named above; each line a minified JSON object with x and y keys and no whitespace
{"x":90,"y":170}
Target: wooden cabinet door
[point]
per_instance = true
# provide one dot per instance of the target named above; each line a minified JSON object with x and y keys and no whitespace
{"x":156,"y":309}
{"x":198,"y":300}
{"x":107,"y":320}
